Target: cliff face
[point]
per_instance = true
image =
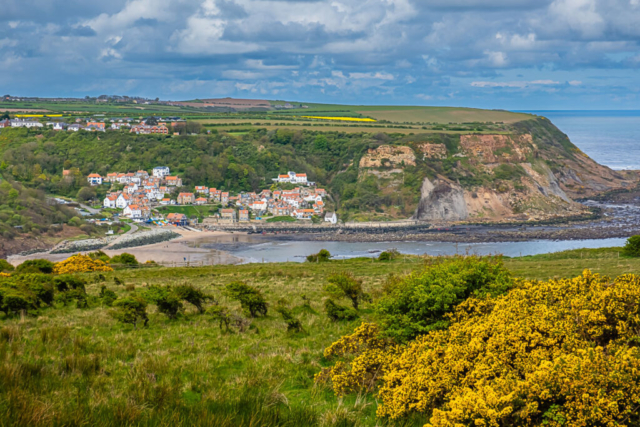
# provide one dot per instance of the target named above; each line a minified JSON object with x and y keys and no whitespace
{"x":533,"y":173}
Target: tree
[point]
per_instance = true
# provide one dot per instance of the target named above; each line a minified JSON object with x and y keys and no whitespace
{"x":293,"y":323}
{"x":337,"y":312}
{"x":191,"y":295}
{"x":151,"y":121}
{"x":125,"y":259}
{"x":221,"y":314}
{"x":250,"y":298}
{"x":347,"y":286}
{"x":322,"y":256}
{"x":632,"y":247}
{"x":5,"y":116}
{"x":131,"y":309}
{"x":85,"y":194}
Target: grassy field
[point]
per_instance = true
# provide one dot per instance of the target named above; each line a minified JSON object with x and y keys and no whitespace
{"x":70,"y":366}
{"x":190,"y":211}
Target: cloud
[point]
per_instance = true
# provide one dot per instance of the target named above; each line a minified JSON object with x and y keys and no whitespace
{"x":373,"y":51}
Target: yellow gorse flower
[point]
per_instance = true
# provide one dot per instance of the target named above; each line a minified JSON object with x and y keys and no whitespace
{"x":80,"y":264}
{"x":562,"y":352}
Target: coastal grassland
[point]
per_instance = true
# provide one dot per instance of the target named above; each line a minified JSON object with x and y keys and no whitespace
{"x":442,"y":115}
{"x":190,"y":211}
{"x":70,"y":366}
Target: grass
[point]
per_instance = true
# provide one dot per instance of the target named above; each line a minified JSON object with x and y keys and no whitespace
{"x":281,"y":219}
{"x":69,"y":366}
{"x":190,"y":211}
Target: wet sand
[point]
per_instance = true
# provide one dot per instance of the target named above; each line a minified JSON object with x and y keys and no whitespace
{"x":179,"y":252}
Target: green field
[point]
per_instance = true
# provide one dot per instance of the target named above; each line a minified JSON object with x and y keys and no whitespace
{"x":190,"y":211}
{"x":72,"y":366}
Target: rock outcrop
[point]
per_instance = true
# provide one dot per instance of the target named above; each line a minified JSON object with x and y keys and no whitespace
{"x":441,"y":200}
{"x":388,"y":156}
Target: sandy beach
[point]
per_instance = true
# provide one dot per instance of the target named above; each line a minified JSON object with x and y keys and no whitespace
{"x":182,"y":251}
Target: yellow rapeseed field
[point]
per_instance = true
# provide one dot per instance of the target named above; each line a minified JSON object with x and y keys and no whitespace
{"x":344,"y":119}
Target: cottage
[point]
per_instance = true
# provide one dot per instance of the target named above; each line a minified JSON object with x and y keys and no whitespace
{"x":177,"y":219}
{"x":173,"y":181}
{"x":110,"y":201}
{"x":243,"y":215}
{"x":201,"y":201}
{"x":5,"y":124}
{"x":186,"y":198}
{"x":224,"y":198}
{"x":201,"y":189}
{"x":133,"y":212}
{"x":94,"y":179}
{"x":123,"y":201}
{"x":331,"y":217}
{"x":228,"y":214}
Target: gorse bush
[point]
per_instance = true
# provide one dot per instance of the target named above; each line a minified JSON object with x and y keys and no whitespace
{"x":131,"y":309}
{"x":124,"y":259}
{"x":337,"y":312}
{"x":345,"y":285}
{"x":322,"y":256}
{"x":420,"y":302}
{"x":250,"y":298}
{"x":36,"y":266}
{"x":80,"y":264}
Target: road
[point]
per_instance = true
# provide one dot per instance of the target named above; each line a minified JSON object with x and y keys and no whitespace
{"x":133,"y":229}
{"x":89,"y":209}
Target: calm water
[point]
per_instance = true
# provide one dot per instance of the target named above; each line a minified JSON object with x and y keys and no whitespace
{"x":279,"y":251}
{"x":611,"y":138}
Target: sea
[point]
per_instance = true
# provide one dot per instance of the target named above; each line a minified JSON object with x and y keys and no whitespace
{"x":611,"y":138}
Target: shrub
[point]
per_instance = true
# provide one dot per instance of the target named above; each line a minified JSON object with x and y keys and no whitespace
{"x":80,"y":264}
{"x":166,"y":299}
{"x":36,"y":266}
{"x":250,"y":298}
{"x":5,"y":265}
{"x":131,"y":309}
{"x":99,"y":255}
{"x":293,"y":324}
{"x":124,"y":259}
{"x":191,"y":295}
{"x":221,"y":314}
{"x":347,"y":286}
{"x":389,"y":255}
{"x":337,"y":312}
{"x":107,"y":296}
{"x":420,"y":302}
{"x":68,"y":282}
{"x":632,"y":247}
{"x":117,"y":281}
{"x":322,"y":256}
{"x":15,"y":299}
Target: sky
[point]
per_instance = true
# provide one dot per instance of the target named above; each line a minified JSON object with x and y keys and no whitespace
{"x":505,"y":54}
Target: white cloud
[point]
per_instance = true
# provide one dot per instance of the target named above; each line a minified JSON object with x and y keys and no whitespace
{"x":378,"y":75}
{"x":516,"y":84}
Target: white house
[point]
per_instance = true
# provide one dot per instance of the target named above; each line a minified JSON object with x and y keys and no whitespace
{"x":331,"y":217}
{"x":132,"y":211}
{"x":110,"y":201}
{"x":292,"y":177}
{"x":94,"y":179}
{"x":74,"y":127}
{"x":26,"y":123}
{"x":122,"y":201}
{"x":161,"y":171}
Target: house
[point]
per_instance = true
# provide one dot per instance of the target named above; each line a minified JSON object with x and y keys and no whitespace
{"x":131,"y":188}
{"x":94,"y":179}
{"x":173,"y":181}
{"x":299,"y":178}
{"x":216,"y":195}
{"x":281,"y":210}
{"x":111,"y":177}
{"x":161,"y":171}
{"x":201,"y":201}
{"x":243,"y":215}
{"x":5,"y":124}
{"x":146,"y":130}
{"x":224,"y":197}
{"x":18,"y":123}
{"x":177,"y":219}
{"x":186,"y":198}
{"x":202,"y":189}
{"x":123,"y":201}
{"x":258,"y":206}
{"x":133,"y":212}
{"x":331,"y":217}
{"x":59,"y":126}
{"x":74,"y":127}
{"x":302,"y":213}
{"x":292,"y":177}
{"x":110,"y":201}
{"x":228,"y":214}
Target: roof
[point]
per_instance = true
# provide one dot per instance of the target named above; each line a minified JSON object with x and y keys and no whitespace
{"x":185,"y":194}
{"x":201,"y":199}
{"x":94,"y":175}
{"x":176,"y":216}
{"x":227,"y":211}
{"x":134,"y":207}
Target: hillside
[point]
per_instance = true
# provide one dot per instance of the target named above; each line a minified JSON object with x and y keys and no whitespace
{"x":493,"y":170}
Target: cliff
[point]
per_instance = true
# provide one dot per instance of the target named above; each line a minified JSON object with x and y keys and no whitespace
{"x":531,"y":173}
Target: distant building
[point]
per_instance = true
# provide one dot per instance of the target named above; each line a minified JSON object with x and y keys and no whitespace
{"x":94,"y":179}
{"x":161,"y":171}
{"x":228,"y":214}
{"x":173,"y":181}
{"x":331,"y":217}
{"x":177,"y":219}
{"x":243,"y":215}
{"x":186,"y":198}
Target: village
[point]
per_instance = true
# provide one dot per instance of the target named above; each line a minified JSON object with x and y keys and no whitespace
{"x":145,"y":126}
{"x":141,"y":196}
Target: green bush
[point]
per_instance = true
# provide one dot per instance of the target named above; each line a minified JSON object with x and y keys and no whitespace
{"x":124,"y":259}
{"x":131,"y":309}
{"x":67,"y":282}
{"x":345,"y":285}
{"x":337,"y":312}
{"x":191,"y":295}
{"x":250,"y":298}
{"x":322,"y":256}
{"x":99,"y":255}
{"x":107,"y":296}
{"x":389,"y":255}
{"x":166,"y":299}
{"x":35,"y":266}
{"x":419,"y":303}
{"x":632,"y":247}
{"x":293,"y":323}
{"x":5,"y":265}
